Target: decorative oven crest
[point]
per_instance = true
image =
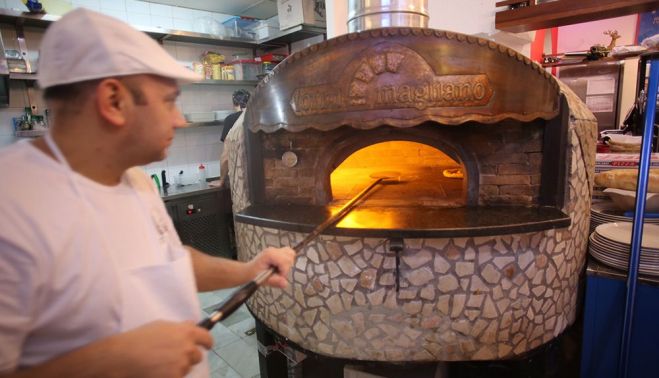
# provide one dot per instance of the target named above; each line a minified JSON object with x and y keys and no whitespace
{"x":393,"y":77}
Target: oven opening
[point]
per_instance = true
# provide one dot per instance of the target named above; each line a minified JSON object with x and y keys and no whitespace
{"x":426,"y":176}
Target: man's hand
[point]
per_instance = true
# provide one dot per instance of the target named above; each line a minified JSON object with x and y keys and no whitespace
{"x":164,"y":349}
{"x":280,"y":258}
{"x":161,"y":349}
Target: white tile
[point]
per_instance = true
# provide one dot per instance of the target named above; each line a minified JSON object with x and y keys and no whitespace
{"x":198,"y":136}
{"x":177,"y":156}
{"x":116,"y":5}
{"x":184,"y":13}
{"x":211,"y":135}
{"x":180,"y":137}
{"x":119,"y":14}
{"x":89,"y":4}
{"x":6,"y":140}
{"x":134,"y":6}
{"x":160,"y":10}
{"x":206,"y":153}
{"x":7,"y":129}
{"x":16,"y":4}
{"x":195,"y":155}
{"x":162,"y":21}
{"x":139,"y":19}
{"x":186,"y":51}
{"x":6,"y":120}
{"x":183,"y":24}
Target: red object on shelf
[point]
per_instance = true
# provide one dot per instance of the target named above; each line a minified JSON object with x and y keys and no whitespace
{"x":273,"y":57}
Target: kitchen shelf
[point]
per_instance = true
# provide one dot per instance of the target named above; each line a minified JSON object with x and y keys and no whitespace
{"x":282,"y":38}
{"x":217,"y":122}
{"x":30,"y":133}
{"x":290,"y":35}
{"x":563,"y":12}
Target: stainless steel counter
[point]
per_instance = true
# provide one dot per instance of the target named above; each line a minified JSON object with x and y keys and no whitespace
{"x":176,"y":192}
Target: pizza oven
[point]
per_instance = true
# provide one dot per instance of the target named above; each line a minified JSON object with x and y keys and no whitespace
{"x":472,"y":253}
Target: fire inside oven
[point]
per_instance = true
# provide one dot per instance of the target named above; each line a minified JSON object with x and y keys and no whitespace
{"x":425,"y":176}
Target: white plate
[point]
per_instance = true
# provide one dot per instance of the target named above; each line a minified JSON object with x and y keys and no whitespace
{"x":621,"y":232}
{"x":626,"y":199}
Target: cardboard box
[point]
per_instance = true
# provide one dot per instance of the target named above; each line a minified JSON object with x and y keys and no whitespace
{"x":608,"y":161}
{"x":296,"y":12}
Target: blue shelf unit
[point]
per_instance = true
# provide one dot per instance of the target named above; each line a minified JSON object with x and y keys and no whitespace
{"x":621,"y":315}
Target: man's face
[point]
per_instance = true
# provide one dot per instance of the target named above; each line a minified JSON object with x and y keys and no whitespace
{"x":152,"y":117}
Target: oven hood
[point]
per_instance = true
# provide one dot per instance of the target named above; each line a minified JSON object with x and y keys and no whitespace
{"x":262,"y":9}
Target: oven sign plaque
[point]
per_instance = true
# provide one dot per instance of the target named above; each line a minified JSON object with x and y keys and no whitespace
{"x":395,"y":79}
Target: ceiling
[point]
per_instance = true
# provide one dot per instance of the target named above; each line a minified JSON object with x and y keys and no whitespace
{"x":261,"y":9}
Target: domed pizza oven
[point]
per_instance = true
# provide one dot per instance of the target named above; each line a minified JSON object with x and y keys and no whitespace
{"x":473,"y":254}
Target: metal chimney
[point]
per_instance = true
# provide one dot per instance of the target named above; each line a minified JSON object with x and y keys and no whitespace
{"x":372,"y":14}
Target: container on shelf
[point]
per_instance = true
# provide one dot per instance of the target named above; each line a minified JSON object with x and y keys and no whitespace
{"x":270,"y":57}
{"x":246,"y":69}
{"x":198,"y":68}
{"x":228,"y":72}
{"x":240,"y":27}
{"x":295,"y":12}
{"x":268,"y":67}
{"x":216,"y":71}
{"x":264,"y":30}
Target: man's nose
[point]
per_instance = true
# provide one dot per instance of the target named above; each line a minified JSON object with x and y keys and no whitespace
{"x":179,"y":120}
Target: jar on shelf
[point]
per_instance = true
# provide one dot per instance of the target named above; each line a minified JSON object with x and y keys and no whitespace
{"x":228,"y":73}
{"x":217,"y":71}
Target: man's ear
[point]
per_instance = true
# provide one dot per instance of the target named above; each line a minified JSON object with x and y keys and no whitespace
{"x":112,"y":100}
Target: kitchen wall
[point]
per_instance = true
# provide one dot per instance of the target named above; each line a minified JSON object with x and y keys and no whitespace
{"x":192,"y":146}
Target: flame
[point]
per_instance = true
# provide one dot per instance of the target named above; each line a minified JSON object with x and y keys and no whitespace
{"x":419,"y":180}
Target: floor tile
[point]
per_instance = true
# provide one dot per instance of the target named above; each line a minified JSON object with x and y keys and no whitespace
{"x":208,"y":299}
{"x":220,"y":368}
{"x":242,"y":357}
{"x":243,"y":326}
{"x":222,"y":336}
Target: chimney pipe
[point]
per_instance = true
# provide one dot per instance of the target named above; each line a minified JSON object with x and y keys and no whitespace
{"x":372,"y":14}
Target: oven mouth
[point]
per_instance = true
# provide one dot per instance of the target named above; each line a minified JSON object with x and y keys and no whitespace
{"x":420,"y":171}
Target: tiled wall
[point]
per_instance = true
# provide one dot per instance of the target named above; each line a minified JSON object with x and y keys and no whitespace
{"x":139,"y":13}
{"x":191,"y":146}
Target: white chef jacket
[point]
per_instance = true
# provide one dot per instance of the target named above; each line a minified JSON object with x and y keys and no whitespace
{"x":74,"y":270}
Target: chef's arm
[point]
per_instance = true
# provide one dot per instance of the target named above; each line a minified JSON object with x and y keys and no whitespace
{"x":158,"y":349}
{"x":212,"y":273}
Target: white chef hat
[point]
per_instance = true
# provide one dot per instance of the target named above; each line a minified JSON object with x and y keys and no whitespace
{"x":86,"y":45}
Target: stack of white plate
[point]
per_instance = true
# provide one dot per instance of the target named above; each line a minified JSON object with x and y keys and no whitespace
{"x":607,"y":212}
{"x":610,"y":244}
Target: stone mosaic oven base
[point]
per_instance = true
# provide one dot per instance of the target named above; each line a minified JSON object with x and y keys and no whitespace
{"x":491,"y":274}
